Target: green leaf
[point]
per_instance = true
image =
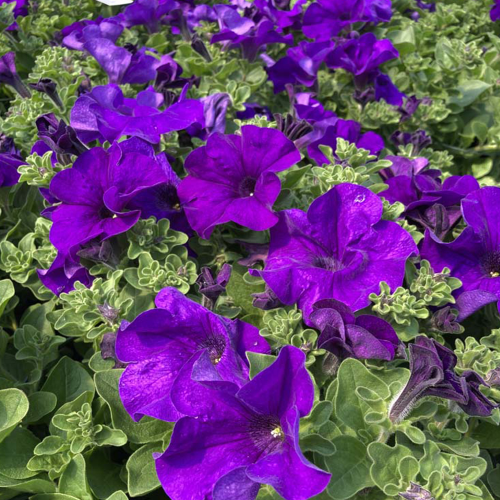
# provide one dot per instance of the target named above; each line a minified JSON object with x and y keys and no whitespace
{"x":6,"y":293}
{"x":73,"y":480}
{"x":259,"y":362}
{"x":142,"y":477}
{"x":15,"y":453}
{"x":349,"y":407}
{"x":103,"y":475}
{"x":393,"y":467}
{"x":350,"y":468}
{"x":39,"y":484}
{"x":41,"y":404}
{"x":146,"y":431}
{"x":54,"y":496}
{"x":318,"y":444}
{"x":241,"y":292}
{"x":67,"y":380}
{"x":403,"y":40}
{"x":494,"y":480}
{"x":319,"y":415}
{"x":14,"y":406}
{"x":469,"y":92}
{"x":118,"y":495}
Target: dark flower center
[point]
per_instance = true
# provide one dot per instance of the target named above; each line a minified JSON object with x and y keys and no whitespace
{"x":491,"y":264}
{"x":328,"y":263}
{"x":215,"y":345}
{"x":247,"y":187}
{"x":266,"y":432}
{"x":105,"y":213}
{"x":167,"y":198}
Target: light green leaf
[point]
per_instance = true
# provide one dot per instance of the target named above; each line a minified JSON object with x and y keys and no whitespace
{"x":41,"y":404}
{"x":259,"y":362}
{"x":350,"y":468}
{"x":14,"y":406}
{"x":73,"y":480}
{"x":67,"y":380}
{"x":15,"y":452}
{"x":142,"y":477}
{"x":6,"y":293}
{"x":393,"y":467}
{"x":469,"y":92}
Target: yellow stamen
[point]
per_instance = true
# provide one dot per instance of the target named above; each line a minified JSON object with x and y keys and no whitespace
{"x":277,"y":432}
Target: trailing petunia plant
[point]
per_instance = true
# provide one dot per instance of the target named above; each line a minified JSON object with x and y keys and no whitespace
{"x":250,"y":250}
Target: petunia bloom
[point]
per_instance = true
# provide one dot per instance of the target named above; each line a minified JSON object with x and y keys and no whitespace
{"x":94,"y":193}
{"x":77,"y":34}
{"x":240,"y":439}
{"x":326,"y":18}
{"x":10,"y":161}
{"x":63,"y":273}
{"x":362,"y":57}
{"x":124,"y":66}
{"x":345,"y":335}
{"x":495,"y":11}
{"x":104,"y":114}
{"x":241,"y":32}
{"x":474,"y":257}
{"x":432,"y":368}
{"x":170,"y":346}
{"x":430,"y":203}
{"x":340,"y":249}
{"x":300,"y":65}
{"x":233,"y":178}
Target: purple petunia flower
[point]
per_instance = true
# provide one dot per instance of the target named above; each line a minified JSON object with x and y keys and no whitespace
{"x":58,"y":136}
{"x":326,"y":18}
{"x":386,"y":90}
{"x":362,"y":57}
{"x":419,"y":140}
{"x":95,"y":192}
{"x":147,"y":13}
{"x":495,"y":11}
{"x":430,"y":203}
{"x":300,"y":65}
{"x":104,"y":114}
{"x":474,"y":257}
{"x":432,"y":369}
{"x":280,"y":13}
{"x":240,"y":439}
{"x":326,"y":132}
{"x":63,"y":273}
{"x":253,"y":109}
{"x":124,"y":66}
{"x":10,"y":160}
{"x":345,"y":335}
{"x":241,"y":32}
{"x":9,"y":76}
{"x":162,"y":201}
{"x":233,"y":178}
{"x":174,"y":346}
{"x":340,"y":249}
{"x":77,"y":34}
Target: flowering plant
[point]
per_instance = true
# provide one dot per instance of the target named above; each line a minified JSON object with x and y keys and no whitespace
{"x":250,"y":250}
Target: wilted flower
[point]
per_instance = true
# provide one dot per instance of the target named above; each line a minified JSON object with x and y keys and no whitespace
{"x":180,"y":340}
{"x":340,"y":249}
{"x":432,"y":368}
{"x":345,"y":335}
{"x":10,"y":161}
{"x":9,"y":76}
{"x":212,"y":288}
{"x":233,"y":178}
{"x":416,"y":492}
{"x":236,"y":440}
{"x":58,"y":136}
